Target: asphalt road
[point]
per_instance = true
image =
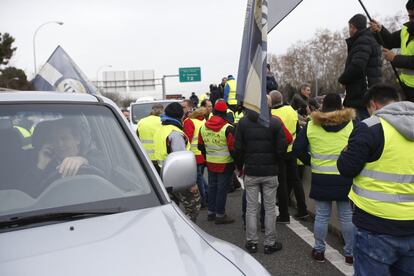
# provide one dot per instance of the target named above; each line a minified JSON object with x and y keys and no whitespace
{"x":293,"y":259}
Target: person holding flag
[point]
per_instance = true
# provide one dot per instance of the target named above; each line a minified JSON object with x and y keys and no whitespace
{"x":403,"y":39}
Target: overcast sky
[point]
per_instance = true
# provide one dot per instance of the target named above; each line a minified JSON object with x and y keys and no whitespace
{"x":163,"y":35}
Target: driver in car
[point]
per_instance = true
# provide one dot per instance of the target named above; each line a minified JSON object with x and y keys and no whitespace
{"x":62,"y":153}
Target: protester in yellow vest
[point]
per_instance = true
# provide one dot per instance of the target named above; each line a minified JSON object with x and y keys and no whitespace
{"x":288,"y":171}
{"x":215,"y":141}
{"x":230,"y":93}
{"x":146,"y":129}
{"x":239,"y":113}
{"x":380,"y":158}
{"x":319,"y":145}
{"x":191,"y":128}
{"x":403,"y":39}
{"x":171,"y":138}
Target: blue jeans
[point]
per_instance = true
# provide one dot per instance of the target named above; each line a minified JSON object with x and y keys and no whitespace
{"x":217,"y":190}
{"x":320,"y":228}
{"x":201,"y":182}
{"x":376,"y":254}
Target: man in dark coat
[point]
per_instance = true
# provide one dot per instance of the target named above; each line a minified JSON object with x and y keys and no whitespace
{"x":363,"y":64}
{"x":259,"y":149}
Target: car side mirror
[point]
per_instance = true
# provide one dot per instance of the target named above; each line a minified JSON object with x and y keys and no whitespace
{"x":179,"y":170}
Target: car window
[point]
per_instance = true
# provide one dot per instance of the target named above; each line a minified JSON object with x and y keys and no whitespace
{"x":58,"y":156}
{"x":141,"y":110}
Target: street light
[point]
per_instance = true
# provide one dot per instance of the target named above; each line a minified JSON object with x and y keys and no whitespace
{"x":97,"y":74}
{"x":34,"y":40}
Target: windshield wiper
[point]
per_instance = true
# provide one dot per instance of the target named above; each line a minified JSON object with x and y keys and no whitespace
{"x":56,"y":216}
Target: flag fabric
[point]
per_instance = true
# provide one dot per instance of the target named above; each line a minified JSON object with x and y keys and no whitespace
{"x":251,"y":78}
{"x":278,"y":10}
{"x":60,"y":73}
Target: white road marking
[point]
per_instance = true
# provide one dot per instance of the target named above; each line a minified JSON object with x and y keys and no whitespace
{"x":331,"y":254}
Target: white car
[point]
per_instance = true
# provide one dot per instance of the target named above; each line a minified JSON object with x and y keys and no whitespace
{"x":141,"y":109}
{"x":103,"y":212}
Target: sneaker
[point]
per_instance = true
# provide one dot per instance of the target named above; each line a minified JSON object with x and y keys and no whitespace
{"x":251,"y":247}
{"x":318,"y":256}
{"x":224,"y":220}
{"x":349,"y":260}
{"x":211,"y":217}
{"x":270,"y":249}
{"x":301,"y":215}
{"x":281,"y":220}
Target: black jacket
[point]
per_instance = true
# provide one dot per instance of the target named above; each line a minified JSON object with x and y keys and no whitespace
{"x":325,"y":187}
{"x":259,"y":148}
{"x":300,"y":102}
{"x":271,"y":83}
{"x":362,"y":64}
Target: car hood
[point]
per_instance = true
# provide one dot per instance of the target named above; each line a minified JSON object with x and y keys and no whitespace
{"x":153,"y":241}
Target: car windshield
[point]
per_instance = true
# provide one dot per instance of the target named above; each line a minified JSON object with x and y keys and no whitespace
{"x":67,"y":157}
{"x":141,"y":110}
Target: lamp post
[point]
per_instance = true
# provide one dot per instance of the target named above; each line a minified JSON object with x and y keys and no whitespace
{"x":97,"y":74}
{"x":34,"y":41}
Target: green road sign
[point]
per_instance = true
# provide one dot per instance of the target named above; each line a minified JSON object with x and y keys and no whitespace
{"x":190,"y":74}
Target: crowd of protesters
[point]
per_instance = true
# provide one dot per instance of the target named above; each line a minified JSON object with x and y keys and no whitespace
{"x":360,"y":151}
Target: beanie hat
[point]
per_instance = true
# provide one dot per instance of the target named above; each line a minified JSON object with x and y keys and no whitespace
{"x":359,"y":21}
{"x":174,"y":110}
{"x":220,"y":106}
{"x":230,"y":77}
{"x":331,"y":102}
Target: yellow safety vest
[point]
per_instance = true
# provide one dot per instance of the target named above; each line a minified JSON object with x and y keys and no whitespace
{"x":232,"y":100}
{"x":146,"y":129}
{"x":325,"y":147}
{"x":289,"y":117}
{"x":238,"y":116}
{"x":216,"y":145}
{"x":406,"y":75}
{"x":194,"y":143}
{"x":25,"y":133}
{"x":160,"y":141}
{"x":385,"y":188}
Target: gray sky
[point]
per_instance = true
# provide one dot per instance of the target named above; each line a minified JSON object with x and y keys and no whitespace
{"x":163,"y":35}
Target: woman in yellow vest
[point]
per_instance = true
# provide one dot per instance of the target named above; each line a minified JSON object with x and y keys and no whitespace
{"x":321,"y":142}
{"x":191,"y":128}
{"x":380,"y":158}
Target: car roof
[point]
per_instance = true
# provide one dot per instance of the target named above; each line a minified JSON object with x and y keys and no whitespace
{"x":46,"y":96}
{"x":156,"y":101}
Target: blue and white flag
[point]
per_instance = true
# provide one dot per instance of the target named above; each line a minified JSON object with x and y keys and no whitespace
{"x":261,"y":16}
{"x":61,"y":74}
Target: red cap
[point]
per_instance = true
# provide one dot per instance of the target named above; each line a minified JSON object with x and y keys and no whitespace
{"x":220,"y":106}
